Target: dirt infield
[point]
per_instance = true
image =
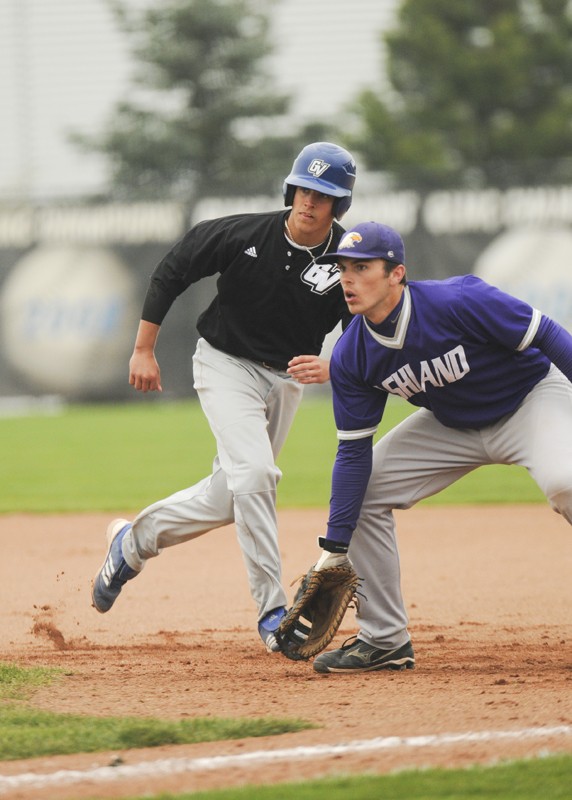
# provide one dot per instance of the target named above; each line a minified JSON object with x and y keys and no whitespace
{"x":489,"y":594}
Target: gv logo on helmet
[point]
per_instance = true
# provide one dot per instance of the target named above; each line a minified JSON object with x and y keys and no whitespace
{"x":317,"y":167}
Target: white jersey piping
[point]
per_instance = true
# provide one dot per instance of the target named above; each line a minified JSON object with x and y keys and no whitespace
{"x":361,"y":434}
{"x":397,"y":340}
{"x":532,"y":330}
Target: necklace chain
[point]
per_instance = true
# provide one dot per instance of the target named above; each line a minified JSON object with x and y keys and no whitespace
{"x":303,"y":246}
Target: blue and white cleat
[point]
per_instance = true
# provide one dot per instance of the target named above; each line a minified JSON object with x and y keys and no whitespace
{"x":114,"y":571}
{"x":268,"y":626}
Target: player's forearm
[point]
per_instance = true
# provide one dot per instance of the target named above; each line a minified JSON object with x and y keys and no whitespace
{"x":350,"y":476}
{"x":144,"y":372}
{"x":146,"y":338}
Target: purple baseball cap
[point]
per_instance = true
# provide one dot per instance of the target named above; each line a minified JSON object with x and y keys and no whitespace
{"x":369,"y":240}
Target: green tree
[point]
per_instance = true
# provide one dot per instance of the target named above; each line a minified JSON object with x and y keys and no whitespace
{"x":479,"y":93}
{"x":205,"y":116}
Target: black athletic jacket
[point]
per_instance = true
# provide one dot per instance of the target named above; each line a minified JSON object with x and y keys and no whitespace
{"x":272,"y":303}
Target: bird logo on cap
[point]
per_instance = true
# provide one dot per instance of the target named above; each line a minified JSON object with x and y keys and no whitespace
{"x":350,"y":240}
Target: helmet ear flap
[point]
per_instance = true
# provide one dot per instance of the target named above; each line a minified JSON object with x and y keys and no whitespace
{"x":289,"y":192}
{"x":341,"y":205}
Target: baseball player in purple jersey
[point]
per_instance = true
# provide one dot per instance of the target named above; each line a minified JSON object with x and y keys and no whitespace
{"x":260,"y":343}
{"x":492,"y":378}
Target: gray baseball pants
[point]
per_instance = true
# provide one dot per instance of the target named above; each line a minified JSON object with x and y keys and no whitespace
{"x":421,"y":457}
{"x":250,"y":409}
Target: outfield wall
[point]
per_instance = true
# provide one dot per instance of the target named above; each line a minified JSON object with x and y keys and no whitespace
{"x":73,"y":278}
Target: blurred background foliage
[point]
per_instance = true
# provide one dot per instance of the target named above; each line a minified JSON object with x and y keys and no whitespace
{"x":208,"y":121}
{"x":481,"y":94}
{"x":471,"y":94}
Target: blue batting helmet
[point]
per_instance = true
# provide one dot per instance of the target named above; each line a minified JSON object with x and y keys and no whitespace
{"x":326,"y":168}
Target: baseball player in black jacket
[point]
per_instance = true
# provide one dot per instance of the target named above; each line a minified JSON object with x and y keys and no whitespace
{"x":260,"y":342}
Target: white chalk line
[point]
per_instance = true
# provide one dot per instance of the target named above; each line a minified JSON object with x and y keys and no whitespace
{"x":173,"y":766}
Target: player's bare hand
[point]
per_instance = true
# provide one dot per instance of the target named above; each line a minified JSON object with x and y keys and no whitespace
{"x":309,"y":369}
{"x":144,"y":372}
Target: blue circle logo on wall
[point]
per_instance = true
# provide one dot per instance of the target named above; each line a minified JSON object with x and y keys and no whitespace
{"x":67,"y":319}
{"x":535,"y":265}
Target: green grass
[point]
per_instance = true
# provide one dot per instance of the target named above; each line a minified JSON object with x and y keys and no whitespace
{"x":102,"y":457}
{"x":17,"y":683}
{"x":28,"y":733}
{"x":535,"y":779}
{"x":123,"y":457}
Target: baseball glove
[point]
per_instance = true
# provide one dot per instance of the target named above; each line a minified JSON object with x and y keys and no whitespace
{"x":322,"y":599}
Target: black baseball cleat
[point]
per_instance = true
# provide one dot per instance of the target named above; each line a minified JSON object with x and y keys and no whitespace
{"x":358,"y":656}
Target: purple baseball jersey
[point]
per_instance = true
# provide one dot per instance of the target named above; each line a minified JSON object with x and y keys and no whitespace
{"x":458,"y":347}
